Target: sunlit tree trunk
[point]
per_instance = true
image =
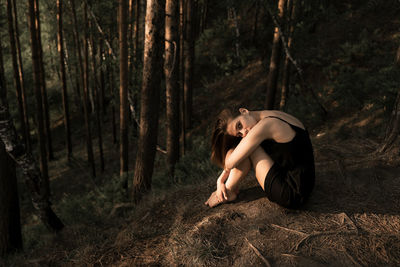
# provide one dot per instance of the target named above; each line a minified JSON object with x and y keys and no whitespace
{"x":188,"y":63}
{"x":182,"y":76}
{"x":60,"y":47}
{"x":89,"y":146}
{"x":291,"y":17}
{"x":21,"y":77}
{"x":10,"y":226}
{"x":45,"y":103}
{"x":150,"y":97}
{"x":17,"y":78}
{"x":123,"y":90}
{"x":274,"y":61}
{"x":171,"y":67}
{"x":136,"y":32}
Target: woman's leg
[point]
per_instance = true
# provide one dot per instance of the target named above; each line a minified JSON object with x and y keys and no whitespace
{"x":237,"y":173}
{"x":262,"y":163}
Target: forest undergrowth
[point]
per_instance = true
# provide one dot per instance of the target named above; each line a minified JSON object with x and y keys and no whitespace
{"x":352,"y":218}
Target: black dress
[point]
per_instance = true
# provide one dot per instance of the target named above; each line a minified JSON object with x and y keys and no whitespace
{"x":291,"y":178}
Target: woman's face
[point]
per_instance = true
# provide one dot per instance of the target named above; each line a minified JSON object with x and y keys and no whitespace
{"x":241,"y":125}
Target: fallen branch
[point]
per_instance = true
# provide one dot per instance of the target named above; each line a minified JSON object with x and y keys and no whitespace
{"x":258,"y":253}
{"x":304,"y":239}
{"x":100,"y":30}
{"x":289,"y":230}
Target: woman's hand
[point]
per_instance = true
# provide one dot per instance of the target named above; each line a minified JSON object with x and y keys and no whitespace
{"x":221,"y":191}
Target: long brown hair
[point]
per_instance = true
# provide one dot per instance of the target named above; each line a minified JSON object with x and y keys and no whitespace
{"x":221,"y":141}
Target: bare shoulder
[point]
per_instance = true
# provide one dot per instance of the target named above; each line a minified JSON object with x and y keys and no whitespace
{"x":282,"y":115}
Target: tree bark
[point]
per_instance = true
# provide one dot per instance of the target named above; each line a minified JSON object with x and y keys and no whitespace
{"x":46,"y":113}
{"x":60,"y":47}
{"x":291,"y":18}
{"x":33,"y":178}
{"x":274,"y":61}
{"x":96,"y":96}
{"x":10,"y":225}
{"x":89,"y":146}
{"x":123,"y":90}
{"x":182,"y":75}
{"x":17,"y":78}
{"x":188,"y":63}
{"x":110,"y":72}
{"x":38,"y":85}
{"x":150,"y":97}
{"x":79,"y":64}
{"x":171,"y":69}
{"x":28,"y":141}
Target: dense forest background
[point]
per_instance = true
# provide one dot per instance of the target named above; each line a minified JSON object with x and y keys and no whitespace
{"x":109,"y":127}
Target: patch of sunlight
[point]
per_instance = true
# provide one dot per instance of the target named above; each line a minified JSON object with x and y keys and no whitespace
{"x":321,"y":134}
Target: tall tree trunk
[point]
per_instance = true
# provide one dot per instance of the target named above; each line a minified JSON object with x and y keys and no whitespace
{"x":171,"y":67}
{"x":45,"y":102}
{"x":89,"y":146}
{"x":182,"y":76}
{"x":21,"y":77}
{"x":38,"y":81}
{"x":79,"y":64}
{"x":188,"y":63}
{"x":150,"y":97}
{"x":110,"y":72}
{"x":102,"y":78}
{"x":255,"y":25}
{"x":291,"y":17}
{"x":96,"y":96}
{"x":275,"y":60}
{"x":17,"y":78}
{"x":60,"y":47}
{"x":123,"y":91}
{"x":10,"y":225}
{"x":136,"y":32}
{"x":33,"y":179}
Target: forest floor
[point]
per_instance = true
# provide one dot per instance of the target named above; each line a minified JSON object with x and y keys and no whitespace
{"x":352,"y":218}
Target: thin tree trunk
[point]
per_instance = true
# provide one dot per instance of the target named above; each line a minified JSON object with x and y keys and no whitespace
{"x":255,"y":26}
{"x":38,"y":81}
{"x":60,"y":47}
{"x":97,"y":98}
{"x":291,"y":17}
{"x":45,"y":103}
{"x":102,"y":79}
{"x":150,"y":97}
{"x":188,"y":63}
{"x":171,"y":67}
{"x":10,"y":225}
{"x":110,"y":72}
{"x":275,"y":60}
{"x":89,"y":146}
{"x":136,"y":32}
{"x":123,"y":91}
{"x":17,"y":78}
{"x":77,"y":46}
{"x":182,"y":75}
{"x":21,"y":77}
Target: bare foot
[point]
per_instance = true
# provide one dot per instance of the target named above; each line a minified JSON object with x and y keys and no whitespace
{"x":213,"y":199}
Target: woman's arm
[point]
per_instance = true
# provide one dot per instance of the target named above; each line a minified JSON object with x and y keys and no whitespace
{"x":248,"y":144}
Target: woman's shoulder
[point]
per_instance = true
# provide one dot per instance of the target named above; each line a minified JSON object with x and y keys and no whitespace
{"x":273,"y":114}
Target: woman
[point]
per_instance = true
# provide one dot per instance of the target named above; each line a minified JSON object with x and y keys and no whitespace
{"x":275,"y":144}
